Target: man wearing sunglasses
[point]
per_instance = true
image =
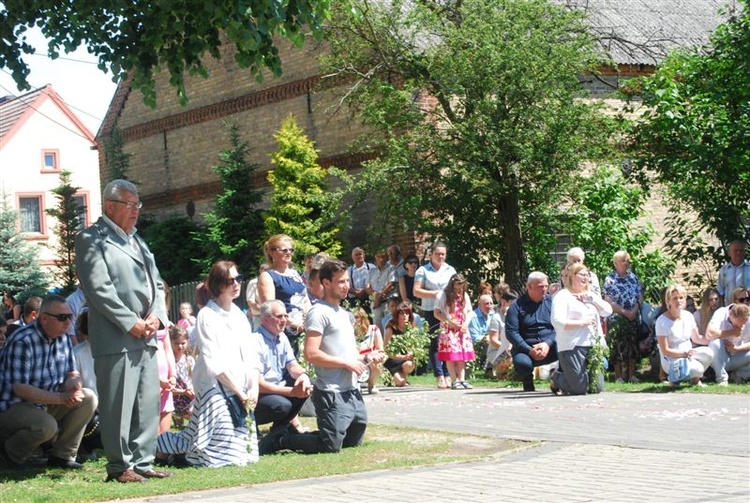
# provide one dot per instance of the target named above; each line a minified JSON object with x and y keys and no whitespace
{"x":41,"y":393}
{"x":125,"y":294}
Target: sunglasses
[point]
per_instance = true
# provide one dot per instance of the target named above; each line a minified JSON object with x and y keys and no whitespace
{"x":237,"y":279}
{"x":62,"y":317}
{"x":285,"y":250}
{"x":744,"y":300}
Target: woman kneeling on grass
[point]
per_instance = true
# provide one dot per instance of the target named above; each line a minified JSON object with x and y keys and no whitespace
{"x":227,"y":368}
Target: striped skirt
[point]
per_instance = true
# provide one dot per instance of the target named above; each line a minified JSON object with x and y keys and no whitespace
{"x":210,"y":438}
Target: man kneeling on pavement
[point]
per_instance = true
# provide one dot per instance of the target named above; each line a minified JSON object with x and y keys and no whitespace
{"x":284,"y":384}
{"x":41,"y":393}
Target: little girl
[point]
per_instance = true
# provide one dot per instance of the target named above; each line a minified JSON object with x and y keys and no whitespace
{"x":184,"y":363}
{"x":187,"y":320}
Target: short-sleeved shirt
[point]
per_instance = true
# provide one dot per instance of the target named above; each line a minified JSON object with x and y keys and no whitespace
{"x":30,"y":357}
{"x":479,"y":325}
{"x":677,"y":331}
{"x":433,"y":280}
{"x":360,"y":276}
{"x":338,"y":340}
{"x":624,"y":291}
{"x":276,"y":354}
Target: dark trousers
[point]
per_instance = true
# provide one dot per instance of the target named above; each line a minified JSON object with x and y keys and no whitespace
{"x":573,"y":376}
{"x":439,"y":368}
{"x":342,"y":421}
{"x":524,"y":365}
{"x":278,"y":409}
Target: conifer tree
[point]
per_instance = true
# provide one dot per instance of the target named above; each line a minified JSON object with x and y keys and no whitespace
{"x":301,"y":207}
{"x":67,"y":214}
{"x":235,"y":226}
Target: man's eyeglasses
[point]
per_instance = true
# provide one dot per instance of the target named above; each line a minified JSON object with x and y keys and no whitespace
{"x":237,"y":279}
{"x":62,"y":317}
{"x":131,"y":205}
{"x":285,"y":250}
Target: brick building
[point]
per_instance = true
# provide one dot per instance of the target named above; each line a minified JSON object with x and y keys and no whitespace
{"x":173,"y":148}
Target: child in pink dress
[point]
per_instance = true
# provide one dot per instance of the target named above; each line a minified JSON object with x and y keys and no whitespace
{"x":455,"y":346}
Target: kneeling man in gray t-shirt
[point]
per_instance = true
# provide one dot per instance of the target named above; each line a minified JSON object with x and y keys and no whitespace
{"x":330,"y":346}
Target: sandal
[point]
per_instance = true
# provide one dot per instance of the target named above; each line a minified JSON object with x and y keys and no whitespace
{"x":466,"y":385}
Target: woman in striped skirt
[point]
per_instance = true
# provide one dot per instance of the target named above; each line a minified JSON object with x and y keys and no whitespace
{"x":228,"y":364}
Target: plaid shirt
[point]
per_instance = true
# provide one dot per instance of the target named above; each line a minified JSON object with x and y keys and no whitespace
{"x":29,"y":357}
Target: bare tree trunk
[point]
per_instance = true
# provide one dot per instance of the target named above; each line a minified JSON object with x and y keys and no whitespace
{"x":514,"y":262}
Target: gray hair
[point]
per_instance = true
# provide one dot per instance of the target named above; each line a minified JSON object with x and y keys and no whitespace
{"x":357,"y":249}
{"x":576,"y":251}
{"x":115,"y":188}
{"x":536,"y":277}
{"x":265,"y":308}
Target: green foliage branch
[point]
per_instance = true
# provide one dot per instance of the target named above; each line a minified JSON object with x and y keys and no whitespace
{"x":141,"y":38}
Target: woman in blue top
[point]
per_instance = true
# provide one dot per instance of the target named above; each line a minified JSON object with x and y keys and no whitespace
{"x":281,"y":281}
{"x":429,"y":280}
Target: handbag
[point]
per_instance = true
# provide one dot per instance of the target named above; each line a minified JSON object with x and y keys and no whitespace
{"x":679,"y":370}
{"x":236,"y":409}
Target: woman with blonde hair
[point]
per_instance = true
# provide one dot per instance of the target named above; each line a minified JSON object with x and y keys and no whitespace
{"x":281,"y":281}
{"x":455,"y":346}
{"x":674,"y":331}
{"x":575,"y":316}
{"x":624,"y":292}
{"x":369,"y":339}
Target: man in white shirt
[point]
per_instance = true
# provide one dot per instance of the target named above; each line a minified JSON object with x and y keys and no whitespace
{"x":734,"y":273}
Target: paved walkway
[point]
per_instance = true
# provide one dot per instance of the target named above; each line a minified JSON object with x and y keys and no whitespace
{"x":663,"y":447}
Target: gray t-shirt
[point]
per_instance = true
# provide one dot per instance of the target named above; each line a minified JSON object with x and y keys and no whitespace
{"x":338,"y":340}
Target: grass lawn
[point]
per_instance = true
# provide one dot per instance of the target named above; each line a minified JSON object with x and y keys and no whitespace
{"x":384,"y":447}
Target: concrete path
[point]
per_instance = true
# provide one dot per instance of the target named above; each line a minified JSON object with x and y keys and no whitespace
{"x":664,"y":447}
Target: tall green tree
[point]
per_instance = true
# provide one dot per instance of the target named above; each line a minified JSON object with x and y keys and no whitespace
{"x":235,"y":226}
{"x":20,"y":272}
{"x":139,"y":37}
{"x":477,"y":116}
{"x":694,"y":138}
{"x":301,"y":205}
{"x":67,"y":214}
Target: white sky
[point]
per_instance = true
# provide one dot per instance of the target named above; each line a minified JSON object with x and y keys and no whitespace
{"x":75,"y":77}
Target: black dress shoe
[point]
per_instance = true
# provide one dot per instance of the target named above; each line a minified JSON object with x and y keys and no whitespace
{"x":529,"y":385}
{"x":153,"y":474}
{"x":65,"y":464}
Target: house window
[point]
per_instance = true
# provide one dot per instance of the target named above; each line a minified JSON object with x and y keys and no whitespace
{"x":81,"y":204}
{"x":50,"y":160}
{"x":30,"y":210}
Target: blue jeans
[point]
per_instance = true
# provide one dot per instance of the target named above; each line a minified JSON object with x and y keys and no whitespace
{"x":439,"y":368}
